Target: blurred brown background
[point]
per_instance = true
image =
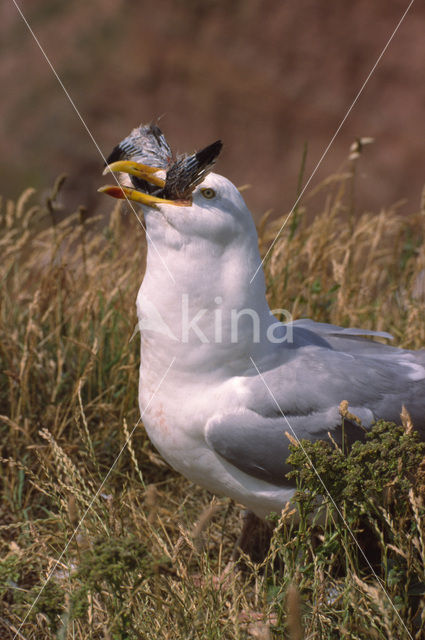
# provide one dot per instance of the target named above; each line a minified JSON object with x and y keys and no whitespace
{"x":265,"y":76}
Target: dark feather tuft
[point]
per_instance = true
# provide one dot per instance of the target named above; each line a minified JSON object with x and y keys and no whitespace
{"x":116,"y":154}
{"x":189,"y":171}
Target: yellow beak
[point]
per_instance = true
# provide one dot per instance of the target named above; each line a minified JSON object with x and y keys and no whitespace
{"x":126,"y":193}
{"x":137,"y":169}
{"x":144,"y":172}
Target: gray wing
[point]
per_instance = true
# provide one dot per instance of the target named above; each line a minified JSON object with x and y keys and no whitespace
{"x":348,"y":340}
{"x":329,"y":330}
{"x":258,"y":445}
{"x":299,"y":391}
{"x":324,"y":365}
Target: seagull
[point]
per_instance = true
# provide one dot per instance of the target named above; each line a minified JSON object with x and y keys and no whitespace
{"x":221,"y":379}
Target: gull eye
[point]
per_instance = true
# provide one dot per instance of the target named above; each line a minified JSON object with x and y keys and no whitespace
{"x":208,"y":193}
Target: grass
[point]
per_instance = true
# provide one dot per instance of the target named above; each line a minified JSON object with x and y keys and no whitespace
{"x":148,"y":559}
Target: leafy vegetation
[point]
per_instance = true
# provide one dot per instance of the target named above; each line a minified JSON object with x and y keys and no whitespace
{"x":100,"y":539}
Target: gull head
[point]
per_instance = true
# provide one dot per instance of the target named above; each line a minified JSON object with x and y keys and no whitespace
{"x":186,"y":195}
{"x":216,"y":213}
